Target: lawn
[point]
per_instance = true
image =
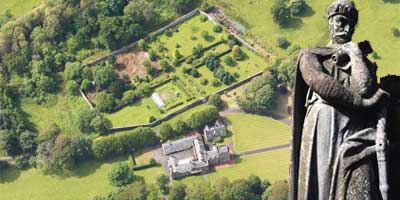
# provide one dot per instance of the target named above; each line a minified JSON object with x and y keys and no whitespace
{"x":252,"y":132}
{"x":61,"y":109}
{"x":375,"y":24}
{"x":272,"y":165}
{"x":18,"y":7}
{"x":136,"y":113}
{"x":89,"y":180}
{"x":182,"y":37}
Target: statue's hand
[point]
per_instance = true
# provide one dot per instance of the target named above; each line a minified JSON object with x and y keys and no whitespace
{"x":380,"y":96}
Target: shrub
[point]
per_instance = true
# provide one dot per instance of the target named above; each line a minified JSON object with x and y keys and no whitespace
{"x":237,"y":53}
{"x":181,"y":127}
{"x":280,"y":13}
{"x":218,"y":139}
{"x":168,"y":33}
{"x":205,"y":35}
{"x":216,"y":83}
{"x":204,"y":81}
{"x":111,"y":60}
{"x":189,"y":60}
{"x":165,"y":66}
{"x":120,"y":175}
{"x":283,"y":43}
{"x":193,"y":37}
{"x":195,"y":73}
{"x":105,"y":102}
{"x":396,"y":32}
{"x":162,"y":183}
{"x":229,"y":61}
{"x":152,"y":55}
{"x":151,"y":119}
{"x":203,"y":18}
{"x":72,"y":88}
{"x":196,"y":52}
{"x":217,"y":28}
{"x":296,"y":7}
{"x":203,"y":117}
{"x":118,"y":144}
{"x":166,"y":132}
{"x":141,"y":44}
{"x":21,"y":162}
{"x":176,"y":54}
{"x":86,"y":85}
{"x":216,"y":101}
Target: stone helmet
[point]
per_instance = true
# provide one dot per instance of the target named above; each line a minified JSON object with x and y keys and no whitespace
{"x":343,"y":7}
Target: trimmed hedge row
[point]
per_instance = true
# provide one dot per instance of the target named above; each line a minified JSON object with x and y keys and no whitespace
{"x":121,"y":143}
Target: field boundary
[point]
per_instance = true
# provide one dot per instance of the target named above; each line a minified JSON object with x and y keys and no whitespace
{"x":192,"y":105}
{"x":156,"y":33}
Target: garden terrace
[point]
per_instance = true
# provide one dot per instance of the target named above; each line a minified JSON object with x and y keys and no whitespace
{"x":173,"y":65}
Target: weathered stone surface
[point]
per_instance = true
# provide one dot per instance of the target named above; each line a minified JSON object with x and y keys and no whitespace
{"x":340,"y":122}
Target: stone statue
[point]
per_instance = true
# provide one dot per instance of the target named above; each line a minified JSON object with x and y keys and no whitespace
{"x":339,"y":139}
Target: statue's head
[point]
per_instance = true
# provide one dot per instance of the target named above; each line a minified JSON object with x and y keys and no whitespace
{"x":343,"y":17}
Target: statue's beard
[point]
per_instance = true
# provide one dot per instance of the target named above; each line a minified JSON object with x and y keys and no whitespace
{"x":341,"y":37}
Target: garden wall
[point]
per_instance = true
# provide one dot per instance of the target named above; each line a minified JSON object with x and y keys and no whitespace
{"x":158,"y":32}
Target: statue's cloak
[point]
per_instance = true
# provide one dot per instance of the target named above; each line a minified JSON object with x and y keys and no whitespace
{"x":298,"y":115}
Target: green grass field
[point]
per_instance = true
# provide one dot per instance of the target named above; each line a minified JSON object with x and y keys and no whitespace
{"x":375,"y":24}
{"x":252,"y":132}
{"x":272,"y":165}
{"x":18,"y":7}
{"x":61,"y":109}
{"x":89,"y":180}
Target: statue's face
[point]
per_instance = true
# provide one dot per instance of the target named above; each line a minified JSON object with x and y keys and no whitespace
{"x":341,"y":29}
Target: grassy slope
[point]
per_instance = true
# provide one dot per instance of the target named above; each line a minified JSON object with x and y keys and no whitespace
{"x":89,"y":180}
{"x":252,"y":132}
{"x":62,"y":110}
{"x":18,"y":7}
{"x":376,"y":22}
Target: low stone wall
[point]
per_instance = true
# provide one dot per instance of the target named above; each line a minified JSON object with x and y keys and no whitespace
{"x":192,"y":105}
{"x":235,"y":85}
{"x":158,"y":32}
{"x":86,"y":99}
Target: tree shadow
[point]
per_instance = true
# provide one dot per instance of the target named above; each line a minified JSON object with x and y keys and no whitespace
{"x":308,"y":12}
{"x":293,"y":23}
{"x":91,"y":166}
{"x":9,"y":175}
{"x":391,"y":1}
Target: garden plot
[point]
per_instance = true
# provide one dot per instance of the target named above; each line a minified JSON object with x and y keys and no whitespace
{"x":187,"y":77}
{"x":131,"y":63}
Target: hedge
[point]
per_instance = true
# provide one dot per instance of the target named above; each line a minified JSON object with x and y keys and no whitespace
{"x":121,"y":143}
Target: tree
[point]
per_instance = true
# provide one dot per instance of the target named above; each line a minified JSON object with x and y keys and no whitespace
{"x":72,"y":88}
{"x":84,"y":120}
{"x":237,"y":53}
{"x":260,"y":95}
{"x":229,"y":61}
{"x":176,"y":54}
{"x":255,"y":184}
{"x":216,"y":101}
{"x":105,"y":102}
{"x":240,"y":190}
{"x":195,"y":73}
{"x":222,"y":186}
{"x":104,"y":76}
{"x":201,"y":191}
{"x":165,"y":66}
{"x":296,"y":7}
{"x":196,"y":52}
{"x":120,"y":175}
{"x":73,"y":71}
{"x":130,"y":96}
{"x":134,"y":191}
{"x":183,"y":6}
{"x":283,"y":43}
{"x":396,"y":32}
{"x":27,"y":141}
{"x":205,"y":35}
{"x":86,"y":85}
{"x":9,"y":142}
{"x":162,"y":183}
{"x":177,"y":192}
{"x":181,"y":127}
{"x":278,"y":191}
{"x":97,"y":124}
{"x":280,"y":13}
{"x":141,"y":44}
{"x":217,"y":28}
{"x":154,"y":194}
{"x":166,"y":131}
